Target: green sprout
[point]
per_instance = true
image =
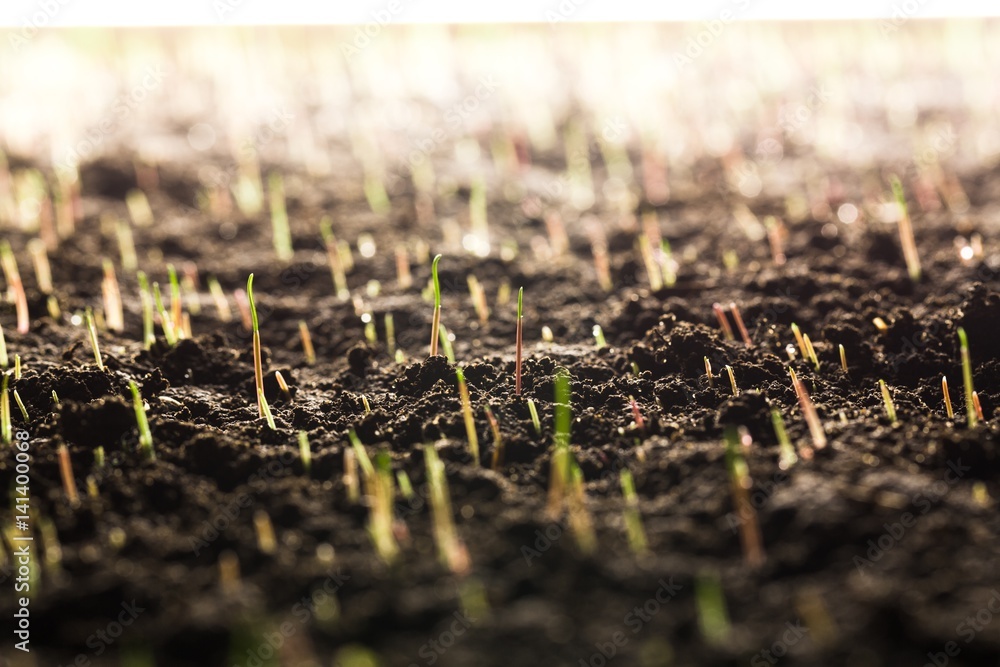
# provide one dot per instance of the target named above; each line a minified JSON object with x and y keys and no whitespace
{"x":176,"y":305}
{"x":92,"y":329}
{"x":740,"y":485}
{"x":145,"y":436}
{"x":451,"y":551}
{"x":219,"y":297}
{"x":890,"y":408}
{"x":148,"y":333}
{"x":305,"y":452}
{"x":390,"y":334}
{"x":535,"y":421}
{"x":906,"y":239}
{"x":334,"y":259}
{"x":6,"y":430}
{"x":559,"y":477}
{"x":470,"y":422}
{"x":436,"y":320}
{"x":599,"y":340}
{"x":970,"y":408}
{"x":165,"y":320}
{"x":633,"y":522}
{"x":281,"y":234}
{"x":405,"y":485}
{"x":947,"y":398}
{"x":519,"y":341}
{"x":4,"y":360}
{"x":367,"y":469}
{"x":713,"y":618}
{"x":788,"y":456}
{"x":380,"y":518}
{"x":262,"y":407}
{"x":449,"y":352}
{"x":307,"y":343}
{"x":17,"y":367}
{"x":20,"y":405}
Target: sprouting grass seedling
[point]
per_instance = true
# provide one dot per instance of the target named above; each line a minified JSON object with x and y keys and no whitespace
{"x":283,"y":386}
{"x":518,"y":342}
{"x":653,"y":272}
{"x":978,"y":406}
{"x":744,"y":334}
{"x":947,"y":398}
{"x":535,"y":422}
{"x":145,"y":436}
{"x":810,"y":351}
{"x":390,"y":334}
{"x":436,"y":319}
{"x":4,"y":359}
{"x":92,"y":330}
{"x":668,"y":264}
{"x":633,"y":522}
{"x":809,"y":412}
{"x":262,"y":407}
{"x":14,"y":286}
{"x":17,"y":367}
{"x":561,"y":457}
{"x":66,"y":472}
{"x":98,"y":457}
{"x":112,"y":298}
{"x":788,"y":457}
{"x":599,"y":340}
{"x":580,"y":522}
{"x":403,"y":276}
{"x":478,"y":295}
{"x":640,"y":423}
{"x":451,"y":551}
{"x":264,"y":530}
{"x":6,"y":430}
{"x":405,"y":485}
{"x":380,"y":519}
{"x":351,"y":476}
{"x":890,"y":408}
{"x":20,"y":406}
{"x":166,"y":323}
{"x":43,"y":269}
{"x":720,"y":314}
{"x":367,"y":469}
{"x":126,"y":246}
{"x":708,"y":372}
{"x":800,"y":341}
{"x":281,"y":234}
{"x":906,"y":238}
{"x":713,"y":618}
{"x":176,"y":302}
{"x":338,"y":270}
{"x":843,"y":359}
{"x":146,"y":300}
{"x":445,"y":339}
{"x":305,"y":452}
{"x":470,"y":422}
{"x":367,"y":406}
{"x":740,"y":485}
{"x":732,"y":380}
{"x":219,"y":298}
{"x":307,"y":343}
{"x":970,"y":409}
{"x":497,"y":459}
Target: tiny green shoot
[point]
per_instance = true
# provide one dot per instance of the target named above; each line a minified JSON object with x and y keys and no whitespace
{"x":219,"y":297}
{"x":970,"y":408}
{"x":380,"y":518}
{"x":436,"y":320}
{"x":405,"y":485}
{"x":148,"y":333}
{"x":451,"y":551}
{"x":708,"y":372}
{"x":720,"y":314}
{"x":470,"y":422}
{"x":843,"y":359}
{"x":262,"y":407}
{"x":92,"y":330}
{"x":307,"y":343}
{"x":145,"y":436}
{"x":732,"y":380}
{"x":4,"y":359}
{"x":533,"y":411}
{"x":518,"y":342}
{"x":367,"y":469}
{"x":305,"y":452}
{"x":66,"y":472}
{"x":165,"y":320}
{"x":17,"y":367}
{"x":713,"y":617}
{"x":740,"y":485}
{"x":947,"y":398}
{"x":497,"y":459}
{"x":744,"y":334}
{"x":445,"y":338}
{"x":281,"y":234}
{"x":20,"y":405}
{"x":633,"y":522}
{"x":906,"y":239}
{"x":890,"y":408}
{"x":599,"y":340}
{"x":788,"y":456}
{"x":6,"y":430}
{"x":176,"y":302}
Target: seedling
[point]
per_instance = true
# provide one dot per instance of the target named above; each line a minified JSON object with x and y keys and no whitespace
{"x":744,"y":334}
{"x":351,"y":476}
{"x":281,"y":234}
{"x":305,"y":452}
{"x":445,"y":338}
{"x":533,"y":411}
{"x":17,"y":367}
{"x":265,"y":532}
{"x":92,"y":329}
{"x":138,"y":208}
{"x":843,"y":359}
{"x":906,"y":239}
{"x":732,"y":381}
{"x":66,"y":472}
{"x":176,"y":304}
{"x":99,"y":457}
{"x":451,"y":551}
{"x":497,"y":440}
{"x":436,"y":319}
{"x":470,"y":422}
{"x":978,"y":406}
{"x":145,"y":436}
{"x":405,"y":486}
{"x":740,"y":485}
{"x":559,"y":474}
{"x":6,"y":430}
{"x":669,"y":266}
{"x":800,"y":341}
{"x":14,"y":286}
{"x":390,"y":334}
{"x":381,"y":521}
{"x":478,"y":295}
{"x":4,"y":359}
{"x":809,"y":413}
{"x":580,"y":522}
{"x":262,"y":407}
{"x":43,"y":269}
{"x":307,"y":343}
{"x":519,"y":342}
{"x":811,"y":351}
{"x":775,"y":235}
{"x":367,"y":406}
{"x":112,"y":298}
{"x":20,"y":405}
{"x":126,"y":246}
{"x":283,"y":386}
{"x":166,"y":323}
{"x":890,"y":408}
{"x":970,"y":409}
{"x":219,"y":297}
{"x":338,"y":271}
{"x":599,"y":339}
{"x":640,"y":423}
{"x":947,"y":398}
{"x":403,"y":276}
{"x":713,"y":618}
{"x":633,"y":522}
{"x":788,"y":457}
{"x":367,"y":469}
{"x":653,"y":272}
{"x":720,"y":314}
{"x":708,"y":372}
{"x":148,"y":333}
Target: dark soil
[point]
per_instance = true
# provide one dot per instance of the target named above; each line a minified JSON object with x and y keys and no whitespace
{"x":878,"y":547}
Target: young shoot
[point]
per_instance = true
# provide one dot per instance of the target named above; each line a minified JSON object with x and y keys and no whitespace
{"x":145,"y":436}
{"x":947,"y":398}
{"x":478,"y":295}
{"x":519,"y":341}
{"x":497,"y":460}
{"x":599,"y":340}
{"x":744,"y":334}
{"x":281,"y":233}
{"x":800,"y":341}
{"x":43,"y":269}
{"x":307,"y":343}
{"x":633,"y":522}
{"x":978,"y":406}
{"x":535,"y":422}
{"x":17,"y":367}
{"x":640,"y":423}
{"x":581,"y":524}
{"x":720,"y":315}
{"x":264,"y":530}
{"x":390,"y":334}
{"x":148,"y":332}
{"x":283,"y":386}
{"x":4,"y":359}
{"x":112,"y":298}
{"x":14,"y":286}
{"x":367,"y":469}
{"x":451,"y":551}
{"x":713,"y":618}
{"x":890,"y":408}
{"x":470,"y":422}
{"x":262,"y":407}
{"x":20,"y":406}
{"x":219,"y":298}
{"x":906,"y":238}
{"x":338,"y":271}
{"x":559,"y":477}
{"x":732,"y":380}
{"x":436,"y":319}
{"x":166,"y":322}
{"x":66,"y":472}
{"x":445,"y":338}
{"x":176,"y":303}
{"x":403,"y":276}
{"x":6,"y":430}
{"x":740,"y":485}
{"x":809,"y":413}
{"x":843,"y":359}
{"x":788,"y":457}
{"x":305,"y":451}
{"x":708,"y":372}
{"x":92,"y":330}
{"x":380,"y":518}
{"x":970,"y":408}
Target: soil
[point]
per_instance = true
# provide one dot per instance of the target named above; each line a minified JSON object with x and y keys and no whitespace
{"x":878,"y":546}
